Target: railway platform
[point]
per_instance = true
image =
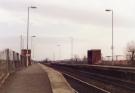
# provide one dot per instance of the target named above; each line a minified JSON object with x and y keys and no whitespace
{"x":36,"y":78}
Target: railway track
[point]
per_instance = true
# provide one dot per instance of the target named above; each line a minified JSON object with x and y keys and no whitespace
{"x":86,"y":87}
{"x":117,"y":85}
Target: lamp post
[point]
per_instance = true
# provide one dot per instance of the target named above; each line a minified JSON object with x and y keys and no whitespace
{"x":71,"y":47}
{"x":59,"y":46}
{"x":32,"y":7}
{"x":21,"y":43}
{"x":21,"y":40}
{"x":109,"y":10}
{"x":32,"y":46}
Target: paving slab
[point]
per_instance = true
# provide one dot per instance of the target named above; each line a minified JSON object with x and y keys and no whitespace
{"x":57,"y":80}
{"x":29,"y":80}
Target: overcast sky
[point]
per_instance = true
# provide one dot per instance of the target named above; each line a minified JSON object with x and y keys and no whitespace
{"x":54,"y":22}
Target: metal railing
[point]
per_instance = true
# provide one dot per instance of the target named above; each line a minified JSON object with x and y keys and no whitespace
{"x":10,"y":61}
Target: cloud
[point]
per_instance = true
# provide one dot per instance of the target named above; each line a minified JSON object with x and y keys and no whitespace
{"x":88,"y":15}
{"x":78,"y":16}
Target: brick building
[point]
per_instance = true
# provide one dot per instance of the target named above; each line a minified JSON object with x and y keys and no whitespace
{"x":94,"y":56}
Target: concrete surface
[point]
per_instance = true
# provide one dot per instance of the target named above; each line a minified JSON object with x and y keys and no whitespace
{"x":29,"y":80}
{"x":58,"y":82}
{"x":3,"y":78}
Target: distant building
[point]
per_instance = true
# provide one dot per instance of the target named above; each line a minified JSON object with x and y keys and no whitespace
{"x":94,"y":56}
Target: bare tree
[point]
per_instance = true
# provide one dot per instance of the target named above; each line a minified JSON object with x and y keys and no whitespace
{"x":131,"y":52}
{"x":84,"y":59}
{"x":76,"y":58}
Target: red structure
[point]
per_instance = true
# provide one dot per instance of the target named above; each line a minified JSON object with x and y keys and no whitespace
{"x":94,"y":56}
{"x":24,"y":54}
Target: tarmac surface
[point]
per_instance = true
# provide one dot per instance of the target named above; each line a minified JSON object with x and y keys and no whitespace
{"x":29,"y":80}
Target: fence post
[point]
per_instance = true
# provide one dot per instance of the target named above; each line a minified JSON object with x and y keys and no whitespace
{"x":7,"y":60}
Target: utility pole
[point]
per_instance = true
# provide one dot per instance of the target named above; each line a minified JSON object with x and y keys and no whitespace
{"x":71,"y":48}
{"x":110,"y":10}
